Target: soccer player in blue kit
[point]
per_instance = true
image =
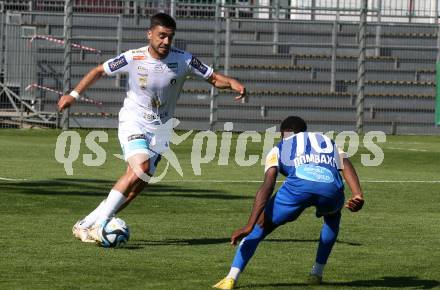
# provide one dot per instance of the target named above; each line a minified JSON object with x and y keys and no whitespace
{"x":311,"y":163}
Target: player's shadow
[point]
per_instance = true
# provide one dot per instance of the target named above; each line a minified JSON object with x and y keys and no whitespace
{"x":101,"y":187}
{"x":140,"y":244}
{"x":400,"y":282}
{"x":309,"y":241}
{"x":194,"y":193}
{"x":60,"y":186}
{"x":390,"y":282}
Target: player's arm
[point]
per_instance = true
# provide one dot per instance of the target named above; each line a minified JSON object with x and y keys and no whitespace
{"x":356,"y":201}
{"x":90,"y":78}
{"x":224,"y":82}
{"x":261,"y":198}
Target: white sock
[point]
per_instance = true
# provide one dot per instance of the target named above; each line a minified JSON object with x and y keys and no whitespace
{"x":114,"y":200}
{"x":234,"y":273}
{"x":317,"y":269}
{"x":90,"y":219}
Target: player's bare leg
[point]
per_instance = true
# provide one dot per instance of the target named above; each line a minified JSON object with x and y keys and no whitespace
{"x":91,"y":218}
{"x":128,"y":185}
{"x":133,"y":179}
{"x":126,"y":188}
{"x":132,"y":194}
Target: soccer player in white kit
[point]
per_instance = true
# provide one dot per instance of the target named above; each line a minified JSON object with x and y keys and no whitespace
{"x":156,"y":74}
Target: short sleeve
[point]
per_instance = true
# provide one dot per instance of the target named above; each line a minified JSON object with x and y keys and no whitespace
{"x":198,"y":68}
{"x":342,"y":153}
{"x":272,"y":158}
{"x":339,"y":156}
{"x":119,"y":64}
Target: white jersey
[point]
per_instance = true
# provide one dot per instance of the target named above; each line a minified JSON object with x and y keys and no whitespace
{"x":154,"y":85}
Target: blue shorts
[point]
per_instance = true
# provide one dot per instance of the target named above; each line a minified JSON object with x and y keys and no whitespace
{"x":286,"y":205}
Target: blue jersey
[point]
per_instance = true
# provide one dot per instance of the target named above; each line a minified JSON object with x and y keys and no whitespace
{"x":311,"y":163}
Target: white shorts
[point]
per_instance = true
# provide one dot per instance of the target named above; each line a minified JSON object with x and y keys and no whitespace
{"x":138,"y":134}
{"x":134,"y":141}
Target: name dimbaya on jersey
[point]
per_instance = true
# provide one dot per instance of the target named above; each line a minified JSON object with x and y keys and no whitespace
{"x":313,"y":158}
{"x":308,"y":147}
{"x":310,"y":161}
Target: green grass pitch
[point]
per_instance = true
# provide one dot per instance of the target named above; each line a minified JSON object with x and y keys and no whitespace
{"x":181,"y":226}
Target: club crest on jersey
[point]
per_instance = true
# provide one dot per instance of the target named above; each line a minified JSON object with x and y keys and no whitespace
{"x":198,"y":65}
{"x":143,"y":83}
{"x":117,"y":63}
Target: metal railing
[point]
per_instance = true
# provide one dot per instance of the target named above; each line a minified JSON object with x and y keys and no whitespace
{"x":391,"y":10}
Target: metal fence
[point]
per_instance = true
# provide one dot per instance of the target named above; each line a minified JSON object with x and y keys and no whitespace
{"x":392,"y":10}
{"x":299,"y":57}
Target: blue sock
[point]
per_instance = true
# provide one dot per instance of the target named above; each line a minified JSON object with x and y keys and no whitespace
{"x":329,"y":233}
{"x":247,"y":247}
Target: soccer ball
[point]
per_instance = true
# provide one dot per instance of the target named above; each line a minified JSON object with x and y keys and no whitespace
{"x":114,"y":233}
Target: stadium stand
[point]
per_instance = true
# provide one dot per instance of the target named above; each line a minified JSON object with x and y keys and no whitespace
{"x":400,"y":88}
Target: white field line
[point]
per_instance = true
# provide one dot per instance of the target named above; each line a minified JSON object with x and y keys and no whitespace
{"x":406,"y":149}
{"x":243,"y":181}
{"x":12,"y":179}
{"x":406,"y":143}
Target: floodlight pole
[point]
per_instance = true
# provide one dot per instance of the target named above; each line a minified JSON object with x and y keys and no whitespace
{"x":378,"y":28}
{"x":334,"y":50}
{"x":173,"y":8}
{"x":437,"y":65}
{"x":227,"y":57}
{"x":276,"y":28}
{"x":214,"y":91}
{"x":438,"y":30}
{"x":68,"y":13}
{"x":119,"y":46}
{"x":361,"y":68}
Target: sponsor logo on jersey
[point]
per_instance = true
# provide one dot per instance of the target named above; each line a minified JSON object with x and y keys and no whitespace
{"x":150,"y":117}
{"x":177,"y":51}
{"x":198,"y":65}
{"x":136,"y":137}
{"x":155,"y":103}
{"x":159,"y":68}
{"x":154,"y":117}
{"x":174,"y":66}
{"x":142,"y":50}
{"x":117,"y":63}
{"x":138,"y":57}
{"x":314,"y":173}
{"x":142,"y":68}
